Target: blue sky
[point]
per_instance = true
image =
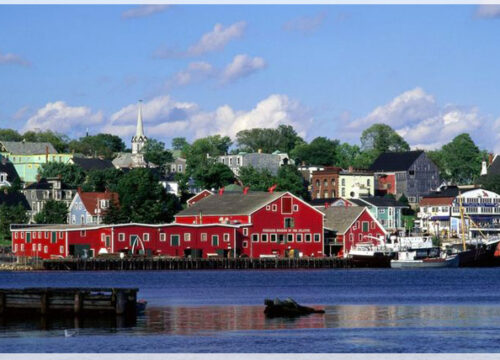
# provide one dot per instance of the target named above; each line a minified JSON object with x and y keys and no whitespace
{"x":431,"y":72}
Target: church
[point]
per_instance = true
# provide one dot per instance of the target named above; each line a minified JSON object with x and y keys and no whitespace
{"x":135,"y":159}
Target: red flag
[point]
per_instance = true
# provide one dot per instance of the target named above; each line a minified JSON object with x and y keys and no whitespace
{"x":271,"y":189}
{"x":221,"y":191}
{"x":245,"y":190}
{"x":326,"y":205}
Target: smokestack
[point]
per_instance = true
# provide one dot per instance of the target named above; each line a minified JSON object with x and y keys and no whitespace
{"x":350,"y":169}
{"x":490,"y":158}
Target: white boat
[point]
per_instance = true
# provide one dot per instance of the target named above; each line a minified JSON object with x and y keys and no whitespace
{"x":424,"y":258}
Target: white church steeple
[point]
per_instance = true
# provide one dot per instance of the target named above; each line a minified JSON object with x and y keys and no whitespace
{"x":139,"y":139}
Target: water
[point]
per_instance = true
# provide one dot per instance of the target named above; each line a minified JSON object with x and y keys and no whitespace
{"x":426,"y":310}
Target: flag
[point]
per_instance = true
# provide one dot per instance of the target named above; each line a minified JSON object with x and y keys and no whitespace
{"x":221,"y":191}
{"x":245,"y":190}
{"x":326,"y":205}
{"x":271,"y":189}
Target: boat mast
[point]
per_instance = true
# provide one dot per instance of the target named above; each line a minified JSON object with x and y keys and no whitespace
{"x":462,"y":220}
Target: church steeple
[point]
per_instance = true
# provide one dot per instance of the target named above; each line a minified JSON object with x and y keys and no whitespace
{"x":139,"y":139}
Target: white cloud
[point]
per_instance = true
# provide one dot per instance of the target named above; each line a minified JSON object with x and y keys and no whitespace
{"x":305,"y":24}
{"x":423,"y":123}
{"x":165,"y":118}
{"x":488,"y":11}
{"x":144,"y":11}
{"x":214,"y":40}
{"x":60,"y":117}
{"x":195,"y":72}
{"x":241,"y":66}
{"x":13,"y":59}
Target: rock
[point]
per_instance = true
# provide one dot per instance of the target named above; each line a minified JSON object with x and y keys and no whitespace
{"x":287,"y":308}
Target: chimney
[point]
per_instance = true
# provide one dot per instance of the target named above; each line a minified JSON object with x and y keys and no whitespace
{"x":490,"y":158}
{"x":46,"y":153}
{"x":350,"y":169}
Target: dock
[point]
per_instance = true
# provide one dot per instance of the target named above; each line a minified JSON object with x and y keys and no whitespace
{"x":75,"y":301}
{"x":165,"y":263}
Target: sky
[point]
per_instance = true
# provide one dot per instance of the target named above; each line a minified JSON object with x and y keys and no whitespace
{"x":430,"y":72}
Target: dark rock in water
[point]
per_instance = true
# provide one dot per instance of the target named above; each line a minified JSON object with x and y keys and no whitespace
{"x":287,"y":308}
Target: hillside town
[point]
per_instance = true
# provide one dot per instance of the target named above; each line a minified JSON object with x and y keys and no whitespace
{"x":264,"y":199}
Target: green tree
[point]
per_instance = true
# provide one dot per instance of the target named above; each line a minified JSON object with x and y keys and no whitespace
{"x":257,"y":180}
{"x":100,"y":180}
{"x":197,"y":154}
{"x":155,"y":153}
{"x":143,"y":199}
{"x":100,"y":145}
{"x":490,"y":182}
{"x":11,"y":214}
{"x":462,"y":160}
{"x":321,"y":151}
{"x":53,"y":212}
{"x":284,"y":138}
{"x":437,"y":158}
{"x":290,"y":179}
{"x":179,"y":143}
{"x":211,"y":174}
{"x":59,"y":141}
{"x":348,"y":155}
{"x":72,"y":175}
{"x":380,"y":138}
{"x":10,"y":135}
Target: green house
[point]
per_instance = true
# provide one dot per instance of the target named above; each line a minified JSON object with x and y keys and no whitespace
{"x":389,"y":212}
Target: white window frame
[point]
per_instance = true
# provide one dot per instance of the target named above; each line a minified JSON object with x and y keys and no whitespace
{"x":187,"y":237}
{"x":255,"y":238}
{"x":204,"y":236}
{"x":121,"y":237}
{"x":163,"y":237}
{"x":264,"y":238}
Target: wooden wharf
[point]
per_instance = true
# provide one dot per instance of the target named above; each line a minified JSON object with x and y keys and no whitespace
{"x":166,"y":263}
{"x":76,"y":301}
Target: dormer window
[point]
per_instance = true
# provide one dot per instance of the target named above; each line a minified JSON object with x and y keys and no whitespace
{"x":104,"y":204}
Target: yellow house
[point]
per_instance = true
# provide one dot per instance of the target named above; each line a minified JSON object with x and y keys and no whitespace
{"x":356,"y":183}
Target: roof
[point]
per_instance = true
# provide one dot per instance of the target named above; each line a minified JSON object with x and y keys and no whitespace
{"x":232,"y":203}
{"x":13,"y":199}
{"x":27,"y":148}
{"x":92,"y":163}
{"x":444,"y":192}
{"x":91,"y":199}
{"x":45,"y":184}
{"x":395,"y":161}
{"x":340,"y":219}
{"x":429,"y":201}
{"x":321,"y":202}
{"x":378,"y":201}
{"x":8,"y":168}
{"x":494,"y":168}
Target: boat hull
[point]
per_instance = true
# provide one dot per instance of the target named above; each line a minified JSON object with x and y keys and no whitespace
{"x":373,"y":261}
{"x":426,"y":263}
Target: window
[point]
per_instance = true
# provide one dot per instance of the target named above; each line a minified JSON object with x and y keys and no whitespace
{"x":333,"y":182}
{"x":245,"y":231}
{"x":39,"y":247}
{"x":355,"y":226}
{"x":308,"y":237}
{"x":275,"y":207}
{"x":342,"y":182}
{"x":226,"y":237}
{"x":367,"y":182}
{"x":104,"y":204}
{"x":203,"y":236}
{"x":22,"y":247}
{"x":381,"y":211}
{"x":289,"y":223}
{"x":317,"y":183}
{"x":121,"y":237}
{"x":15,"y":235}
{"x":343,"y":192}
{"x":39,"y":235}
{"x":187,"y":236}
{"x":60,"y":235}
{"x":15,"y":247}
{"x":360,"y":237}
{"x":174,"y":240}
{"x":268,"y":207}
{"x":179,"y":167}
{"x":145,"y":237}
{"x":45,"y":249}
{"x":46,"y":234}
{"x":372,"y":225}
{"x":255,"y":237}
{"x":325,"y":183}
{"x":351,"y":237}
{"x":34,"y":234}
{"x":22,"y":235}
{"x":163,"y":237}
{"x":263,"y":238}
{"x":298,"y":237}
{"x":289,"y":238}
{"x":61,"y":249}
{"x":358,"y":225}
{"x":245,"y":244}
{"x":317,"y":238}
{"x":366,"y":226}
{"x":274,"y":238}
{"x":28,"y":237}
{"x":215,"y":240}
{"x":33,"y":248}
{"x":281,"y":238}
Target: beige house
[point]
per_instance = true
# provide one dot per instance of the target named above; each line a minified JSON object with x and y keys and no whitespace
{"x":356,"y":183}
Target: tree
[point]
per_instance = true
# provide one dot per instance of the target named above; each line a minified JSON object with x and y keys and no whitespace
{"x":100,"y":180}
{"x":211,"y":146}
{"x":72,"y":175}
{"x":11,"y":214}
{"x":257,"y":180}
{"x":213,"y":175}
{"x":380,"y":138}
{"x":53,"y":212}
{"x":143,"y":199}
{"x":10,"y":135}
{"x":321,"y":151}
{"x":290,"y":179}
{"x":179,"y":143}
{"x":155,"y":153}
{"x":491,"y":182}
{"x":59,"y":141}
{"x":100,"y":145}
{"x":461,"y":159}
{"x":348,"y":155}
{"x":284,"y":138}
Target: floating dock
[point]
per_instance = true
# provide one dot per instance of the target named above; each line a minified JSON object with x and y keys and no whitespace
{"x":161,"y":263}
{"x":76,"y":301}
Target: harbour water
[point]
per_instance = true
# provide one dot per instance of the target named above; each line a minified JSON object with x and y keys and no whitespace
{"x":433,"y":310}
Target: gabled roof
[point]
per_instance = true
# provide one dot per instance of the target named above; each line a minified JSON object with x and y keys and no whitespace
{"x":27,"y":148}
{"x":378,"y":201}
{"x":93,"y":164}
{"x":44,"y":184}
{"x":13,"y":199}
{"x":395,"y":161}
{"x":444,"y":192}
{"x":340,"y":219}
{"x":91,"y":200}
{"x":231,"y":203}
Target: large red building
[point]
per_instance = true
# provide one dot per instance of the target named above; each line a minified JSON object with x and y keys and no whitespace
{"x":255,"y":224}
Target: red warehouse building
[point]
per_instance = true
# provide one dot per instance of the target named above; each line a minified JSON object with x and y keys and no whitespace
{"x":269,"y":224}
{"x":351,"y":225}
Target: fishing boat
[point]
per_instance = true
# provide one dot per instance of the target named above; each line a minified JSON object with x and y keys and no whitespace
{"x":424,"y":258}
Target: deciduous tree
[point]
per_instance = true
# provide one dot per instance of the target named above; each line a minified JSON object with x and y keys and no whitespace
{"x":53,"y":212}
